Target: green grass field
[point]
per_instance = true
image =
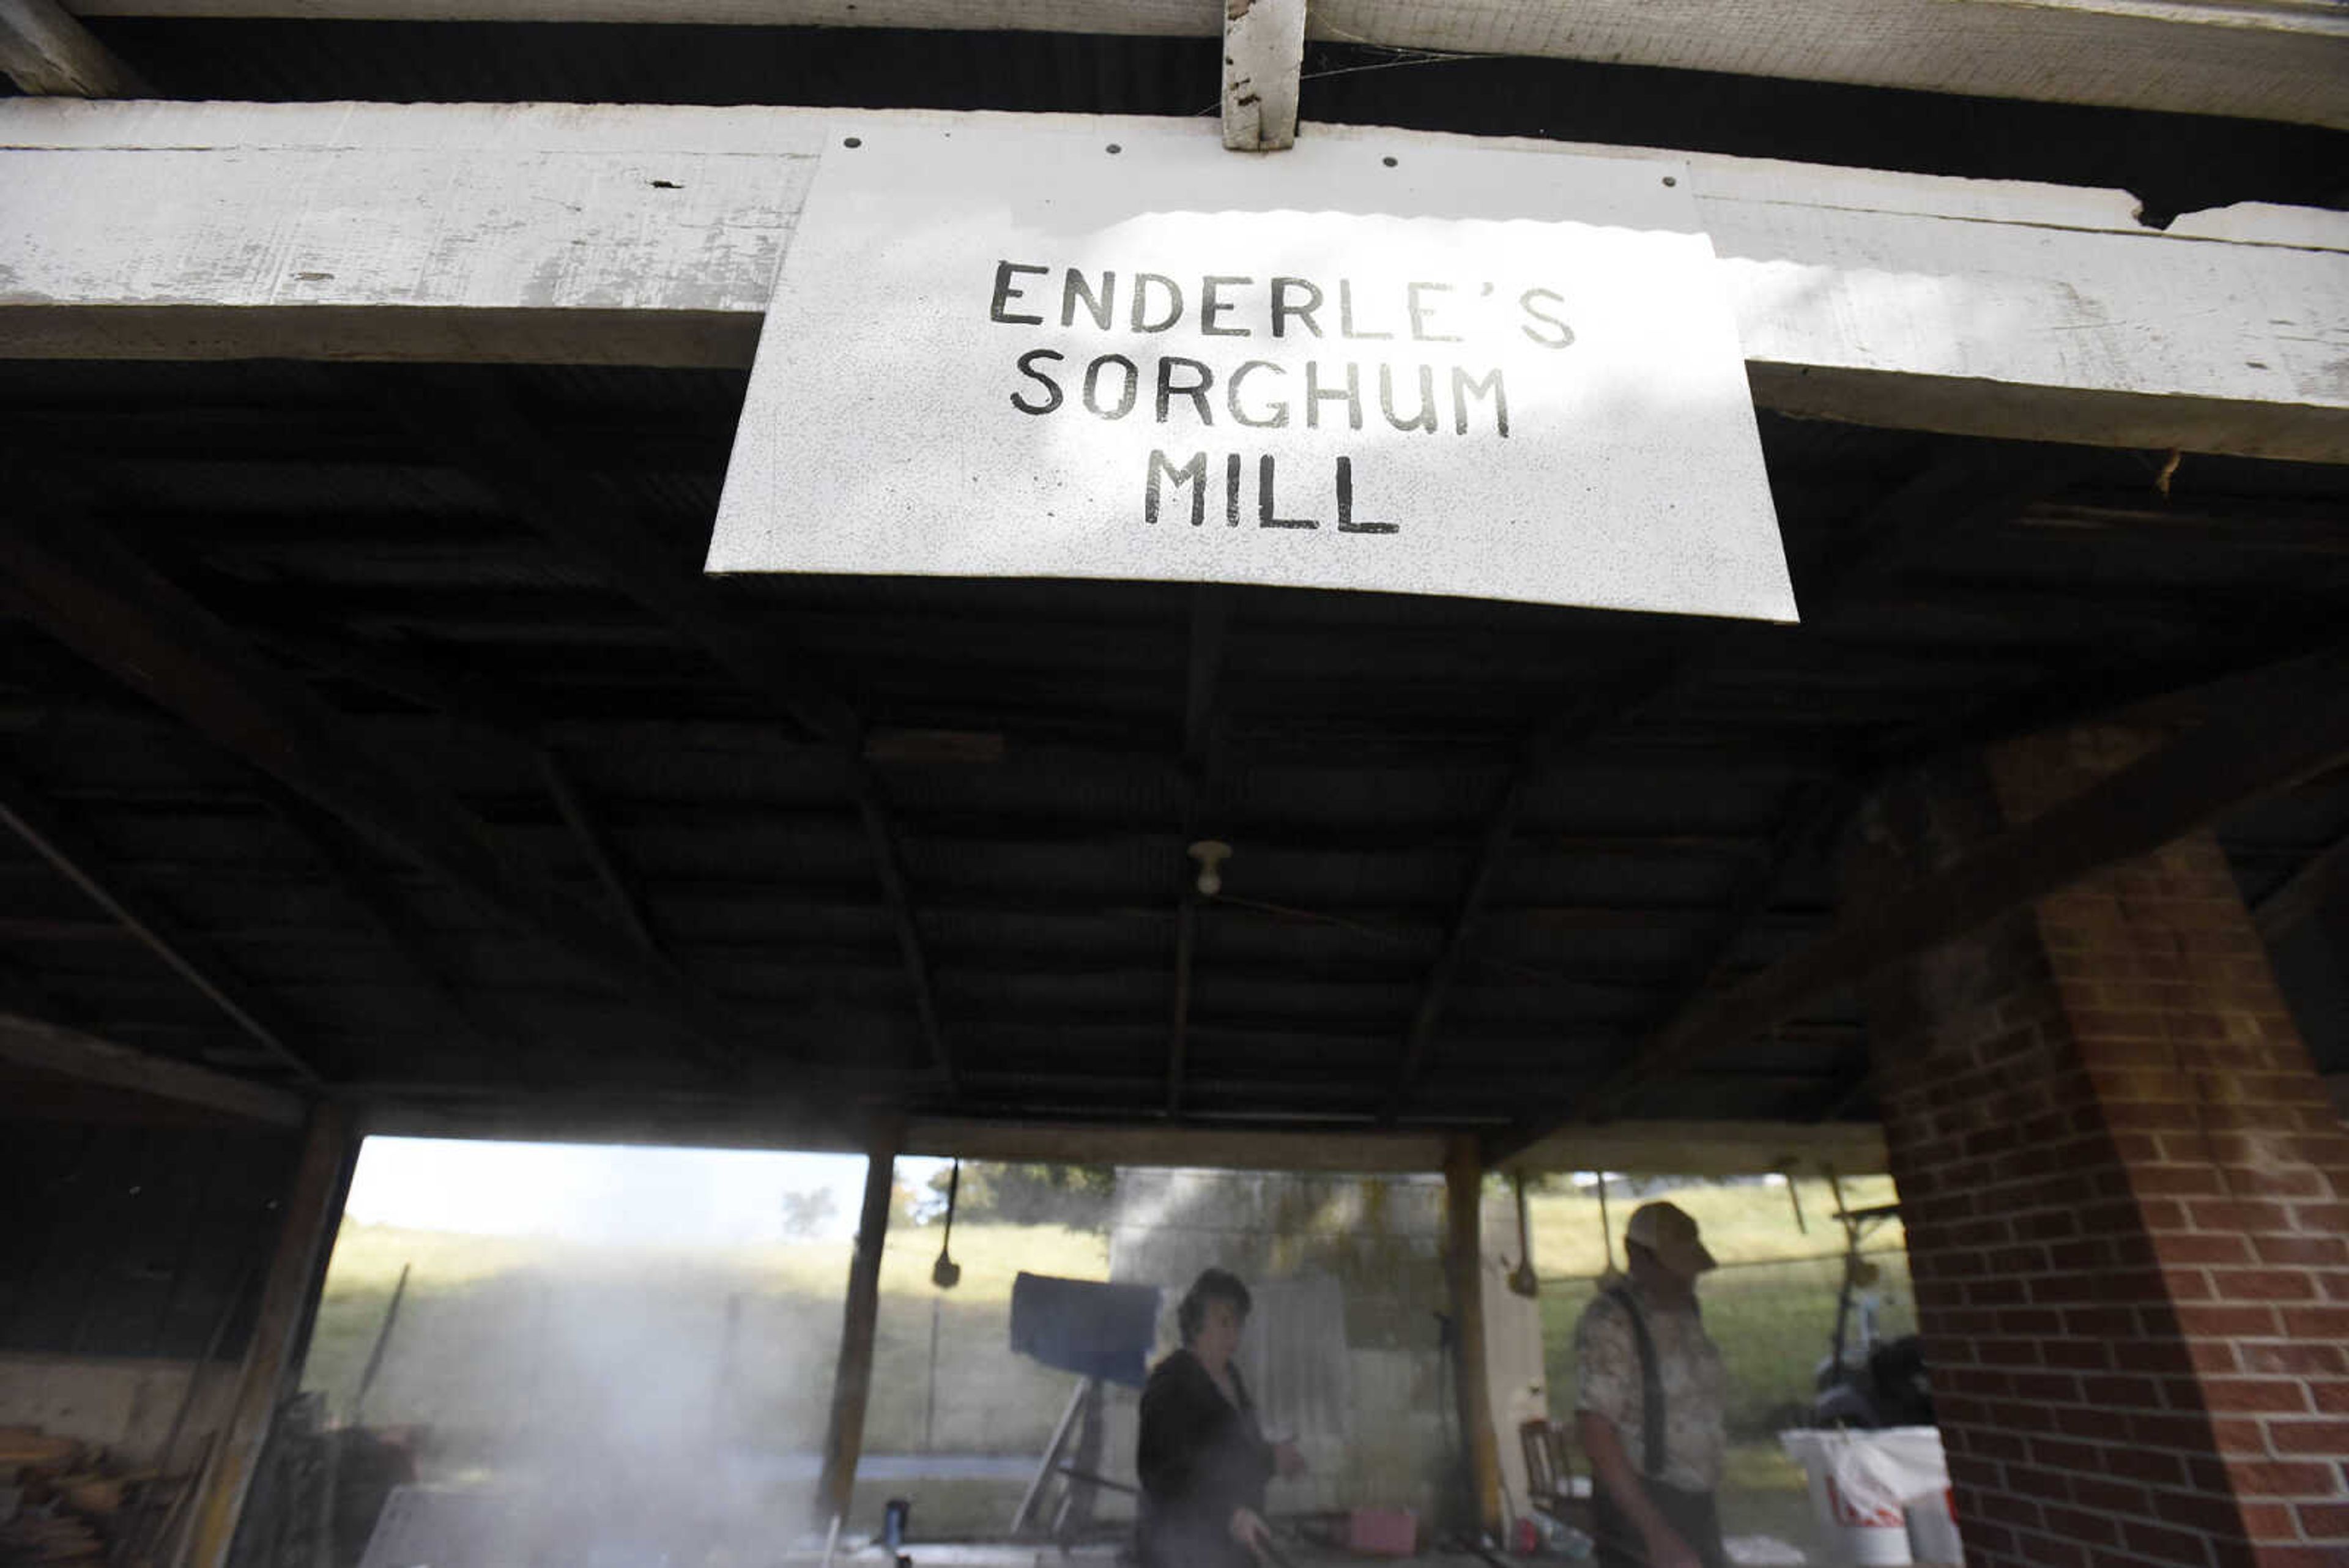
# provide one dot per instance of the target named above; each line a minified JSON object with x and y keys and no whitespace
{"x":1770,"y":1305}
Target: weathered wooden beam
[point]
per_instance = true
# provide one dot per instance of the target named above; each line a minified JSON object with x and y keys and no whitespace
{"x":51,"y":1048}
{"x":1264,"y":55}
{"x":1722,"y":1148}
{"x":1906,"y":301}
{"x":313,"y":1203}
{"x":2303,"y":893}
{"x":2263,"y":734}
{"x":1811,"y":817}
{"x":622,"y":887}
{"x":66,"y":847}
{"x":405,"y":673}
{"x":386,"y":907}
{"x":851,"y":1383}
{"x":1955,"y":492}
{"x":1808,"y":821}
{"x":880,"y":838}
{"x":2267,"y":59}
{"x":1418,"y":1038}
{"x":1851,"y":1089}
{"x":1543,"y":748}
{"x":83,"y":589}
{"x":1709,"y":1149}
{"x":471,"y":422}
{"x":508,"y":715}
{"x":479,"y":427}
{"x":1464,"y":1211}
{"x":44,"y":50}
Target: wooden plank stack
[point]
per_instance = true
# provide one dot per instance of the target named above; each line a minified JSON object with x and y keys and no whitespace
{"x":70,"y":1503}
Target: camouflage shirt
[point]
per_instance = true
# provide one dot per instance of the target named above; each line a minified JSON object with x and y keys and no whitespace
{"x":1696,"y":1387}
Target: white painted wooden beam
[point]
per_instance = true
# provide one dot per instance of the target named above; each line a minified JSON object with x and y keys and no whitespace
{"x":1684,"y":1147}
{"x":610,"y":234}
{"x":1711,"y":1149}
{"x":49,"y":1048}
{"x":1264,"y":55}
{"x":44,"y":50}
{"x":2265,"y":59}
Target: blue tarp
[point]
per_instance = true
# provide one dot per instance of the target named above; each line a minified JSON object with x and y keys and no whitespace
{"x":1085,"y":1327}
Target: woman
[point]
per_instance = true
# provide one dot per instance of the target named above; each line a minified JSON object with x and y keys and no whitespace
{"x":1202,"y":1461}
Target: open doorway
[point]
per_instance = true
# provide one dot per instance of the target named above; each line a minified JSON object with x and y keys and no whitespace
{"x":577,"y":1353}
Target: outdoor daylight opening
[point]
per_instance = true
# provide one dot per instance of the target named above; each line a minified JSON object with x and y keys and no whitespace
{"x":538,"y":1354}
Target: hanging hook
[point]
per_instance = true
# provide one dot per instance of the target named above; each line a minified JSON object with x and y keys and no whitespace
{"x":946,"y":1273}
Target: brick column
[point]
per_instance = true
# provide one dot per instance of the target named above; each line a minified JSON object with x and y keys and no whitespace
{"x":2127,"y":1195}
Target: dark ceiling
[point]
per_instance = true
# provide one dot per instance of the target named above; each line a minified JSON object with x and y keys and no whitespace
{"x":1040,"y":755}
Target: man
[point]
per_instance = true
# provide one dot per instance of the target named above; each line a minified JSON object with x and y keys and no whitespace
{"x":1649,"y":1393}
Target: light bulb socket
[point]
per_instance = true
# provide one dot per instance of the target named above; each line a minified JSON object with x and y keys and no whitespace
{"x":1211,"y":853}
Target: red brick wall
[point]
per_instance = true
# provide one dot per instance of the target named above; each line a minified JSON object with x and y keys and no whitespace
{"x":2127,"y":1196}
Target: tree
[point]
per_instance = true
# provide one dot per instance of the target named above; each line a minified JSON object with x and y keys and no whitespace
{"x":1081,"y":1196}
{"x":806,"y":1214}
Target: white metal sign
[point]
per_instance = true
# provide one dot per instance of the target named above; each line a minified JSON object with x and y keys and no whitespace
{"x":1003,"y":352}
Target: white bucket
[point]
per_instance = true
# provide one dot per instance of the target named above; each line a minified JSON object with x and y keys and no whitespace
{"x":1858,"y":1481}
{"x":1933,"y":1531}
{"x":1871,"y":1536}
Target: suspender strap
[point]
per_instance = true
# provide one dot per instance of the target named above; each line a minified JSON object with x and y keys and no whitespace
{"x":1651,"y":1388}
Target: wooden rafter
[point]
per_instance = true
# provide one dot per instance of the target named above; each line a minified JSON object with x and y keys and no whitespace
{"x":509,"y":716}
{"x":85,"y":590}
{"x":882,"y":839}
{"x":2266,"y":734}
{"x":407,"y":673}
{"x":621,"y":884}
{"x":1550,"y":743}
{"x":46,"y":51}
{"x":52,"y":1048}
{"x":472,"y":424}
{"x":1808,"y":820}
{"x":1959,"y":488}
{"x":1849,"y":1090}
{"x":387,"y":908}
{"x":1954,"y":491}
{"x":2303,"y":892}
{"x":64,"y":845}
{"x":480,"y":427}
{"x":311,"y":1205}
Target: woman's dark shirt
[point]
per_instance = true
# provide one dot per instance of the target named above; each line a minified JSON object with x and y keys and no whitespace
{"x":1201,"y":1456}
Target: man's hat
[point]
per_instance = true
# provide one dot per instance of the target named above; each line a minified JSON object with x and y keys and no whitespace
{"x":1665,"y":1230}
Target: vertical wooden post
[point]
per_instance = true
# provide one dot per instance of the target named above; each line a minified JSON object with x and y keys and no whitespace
{"x":852,"y":1385}
{"x":312,"y":1207}
{"x":1463,"y":1192}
